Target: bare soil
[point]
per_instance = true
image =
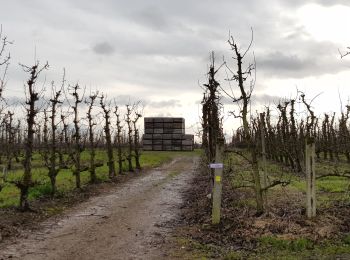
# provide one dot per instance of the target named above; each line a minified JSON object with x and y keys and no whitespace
{"x":131,"y":221}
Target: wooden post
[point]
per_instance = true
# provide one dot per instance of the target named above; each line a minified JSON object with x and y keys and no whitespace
{"x":310,"y":178}
{"x":263,"y":151}
{"x":218,"y":174}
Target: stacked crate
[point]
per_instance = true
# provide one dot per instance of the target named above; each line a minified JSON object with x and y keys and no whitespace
{"x":166,"y":134}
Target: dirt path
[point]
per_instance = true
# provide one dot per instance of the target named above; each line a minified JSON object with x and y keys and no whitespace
{"x":130,"y":222}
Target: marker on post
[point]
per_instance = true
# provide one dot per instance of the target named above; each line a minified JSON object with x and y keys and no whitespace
{"x":218,"y":167}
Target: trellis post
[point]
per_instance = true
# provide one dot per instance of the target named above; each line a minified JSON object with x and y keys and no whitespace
{"x":310,"y":178}
{"x":218,"y":174}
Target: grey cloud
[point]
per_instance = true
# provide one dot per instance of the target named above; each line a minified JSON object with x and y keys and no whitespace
{"x":163,"y":46}
{"x":224,"y":100}
{"x":152,"y":17}
{"x":311,"y":59}
{"x":298,"y":3}
{"x":14,"y":101}
{"x":103,"y":48}
{"x":168,"y":45}
{"x":122,"y":100}
{"x":165,"y":104}
{"x":278,"y":61}
{"x":265,"y":99}
{"x":257,"y":99}
{"x":165,"y":114}
{"x":330,"y":3}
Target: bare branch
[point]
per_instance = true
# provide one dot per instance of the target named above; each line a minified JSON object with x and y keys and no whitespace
{"x":342,"y":55}
{"x":251,"y":42}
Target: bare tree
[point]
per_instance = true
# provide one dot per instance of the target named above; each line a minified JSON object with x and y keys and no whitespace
{"x":137,"y":140}
{"x":92,"y":144}
{"x":18,"y":138}
{"x":64,"y":143}
{"x":311,"y":119}
{"x":294,"y":146}
{"x":119,"y":140}
{"x":344,"y":133}
{"x":2,"y":138}
{"x":4,"y":59}
{"x":75,"y":154}
{"x":244,"y":99}
{"x":10,"y":139}
{"x":210,"y":111}
{"x":129,"y":156}
{"x":51,"y":162}
{"x":44,"y":149}
{"x":107,"y":130}
{"x":33,"y":96}
{"x":205,"y":123}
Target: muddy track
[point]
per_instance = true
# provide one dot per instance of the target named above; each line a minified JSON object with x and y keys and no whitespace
{"x":129,"y":222}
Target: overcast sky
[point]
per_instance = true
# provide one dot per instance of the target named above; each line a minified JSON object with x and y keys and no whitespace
{"x":158,"y":51}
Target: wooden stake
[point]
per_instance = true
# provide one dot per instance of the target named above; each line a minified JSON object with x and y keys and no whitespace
{"x":217,"y":190}
{"x":263,"y":152}
{"x":310,"y":178}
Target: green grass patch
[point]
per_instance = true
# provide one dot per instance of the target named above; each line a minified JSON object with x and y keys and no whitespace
{"x":271,"y":247}
{"x":9,"y":195}
{"x":333,"y":184}
{"x":296,"y":245}
{"x":156,"y":158}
